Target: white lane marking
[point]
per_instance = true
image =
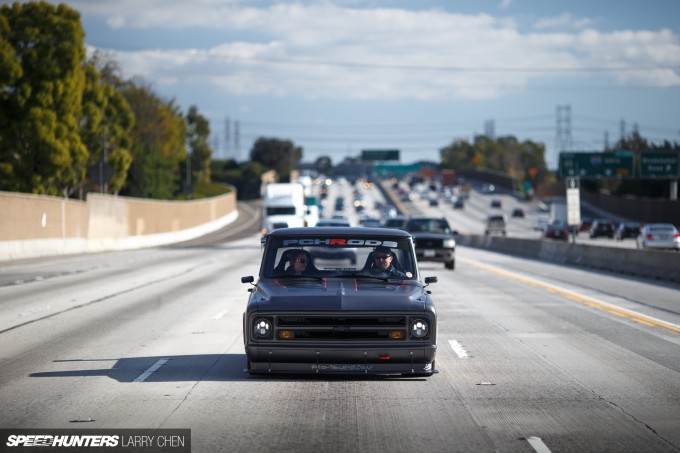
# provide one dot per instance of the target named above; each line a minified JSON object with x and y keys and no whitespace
{"x":538,"y":445}
{"x":220,"y":314}
{"x":145,"y":375}
{"x":459,"y":349}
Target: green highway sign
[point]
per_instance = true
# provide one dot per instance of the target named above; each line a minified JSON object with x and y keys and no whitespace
{"x":659,"y":165}
{"x":379,"y":154}
{"x":612,"y":164}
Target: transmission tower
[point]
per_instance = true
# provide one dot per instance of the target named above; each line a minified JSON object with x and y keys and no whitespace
{"x":563,"y":139}
{"x":490,"y":129}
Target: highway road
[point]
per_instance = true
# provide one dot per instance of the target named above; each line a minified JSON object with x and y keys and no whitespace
{"x":472,"y":219}
{"x":531,"y":357}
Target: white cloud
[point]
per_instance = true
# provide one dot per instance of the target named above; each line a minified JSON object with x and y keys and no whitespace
{"x":322,"y":50}
{"x":117,"y":21}
{"x":563,"y":21}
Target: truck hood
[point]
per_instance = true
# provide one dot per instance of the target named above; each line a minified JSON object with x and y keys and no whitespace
{"x":338,"y":295}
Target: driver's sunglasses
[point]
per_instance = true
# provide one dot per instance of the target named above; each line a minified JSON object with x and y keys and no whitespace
{"x":382,"y":257}
{"x":303,"y":261}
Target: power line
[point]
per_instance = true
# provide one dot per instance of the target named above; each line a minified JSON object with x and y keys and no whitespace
{"x":358,"y":64}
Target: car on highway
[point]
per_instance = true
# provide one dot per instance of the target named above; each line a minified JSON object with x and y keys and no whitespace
{"x":397,"y":222}
{"x":586,"y":223}
{"x":370,"y":222}
{"x":496,"y":224}
{"x":659,"y":236}
{"x":556,"y":231}
{"x":602,"y":227}
{"x":518,"y":212}
{"x":627,"y":230}
{"x":333,"y":319}
{"x":434,"y":240}
{"x":459,"y":203}
{"x":541,"y":224}
{"x":496,"y":203}
{"x":339,"y":221}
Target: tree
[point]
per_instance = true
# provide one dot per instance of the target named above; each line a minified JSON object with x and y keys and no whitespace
{"x":198,"y":133}
{"x":41,"y":100}
{"x":521,"y":160}
{"x":276,"y":154}
{"x":323,"y":165}
{"x":105,"y":129}
{"x":158,"y":138}
{"x":246,"y":177}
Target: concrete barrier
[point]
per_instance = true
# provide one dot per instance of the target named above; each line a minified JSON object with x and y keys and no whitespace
{"x":654,"y":264}
{"x":34,"y":226}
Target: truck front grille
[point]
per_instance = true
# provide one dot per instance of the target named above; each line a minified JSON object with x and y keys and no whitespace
{"x":370,"y":328}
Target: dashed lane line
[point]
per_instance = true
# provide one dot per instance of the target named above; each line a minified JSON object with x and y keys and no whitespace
{"x":145,"y":375}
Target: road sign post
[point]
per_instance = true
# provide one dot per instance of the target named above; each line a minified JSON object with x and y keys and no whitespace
{"x":573,"y":206}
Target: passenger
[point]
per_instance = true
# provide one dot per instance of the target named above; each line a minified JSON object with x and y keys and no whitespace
{"x":298,"y":263}
{"x":382,"y":265}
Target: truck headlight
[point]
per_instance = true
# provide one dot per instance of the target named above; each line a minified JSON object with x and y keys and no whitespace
{"x":449,"y":243}
{"x":419,"y":328}
{"x":262,"y":328}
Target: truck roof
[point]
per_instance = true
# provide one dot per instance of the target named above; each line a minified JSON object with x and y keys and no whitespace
{"x":346,"y":231}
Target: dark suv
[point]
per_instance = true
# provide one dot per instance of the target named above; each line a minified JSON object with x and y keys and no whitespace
{"x":433,"y":238}
{"x":627,"y":230}
{"x":602,"y":227}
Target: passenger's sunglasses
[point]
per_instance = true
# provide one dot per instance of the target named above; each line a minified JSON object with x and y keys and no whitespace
{"x":382,"y":257}
{"x":303,"y":261}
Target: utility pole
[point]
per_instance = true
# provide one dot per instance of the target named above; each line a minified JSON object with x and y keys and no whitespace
{"x":227,"y":136}
{"x":103,"y":159}
{"x":236,"y":141}
{"x":606,"y":140}
{"x":622,"y":126}
{"x":188,"y":188}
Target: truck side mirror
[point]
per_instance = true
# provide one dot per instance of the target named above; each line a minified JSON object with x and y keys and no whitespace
{"x":248,"y":279}
{"x":429,"y":280}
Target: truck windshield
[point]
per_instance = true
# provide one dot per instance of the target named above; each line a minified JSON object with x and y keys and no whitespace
{"x":280,"y":210}
{"x":340,"y":257}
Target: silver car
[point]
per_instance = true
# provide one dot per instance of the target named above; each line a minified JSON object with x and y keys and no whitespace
{"x":659,"y":236}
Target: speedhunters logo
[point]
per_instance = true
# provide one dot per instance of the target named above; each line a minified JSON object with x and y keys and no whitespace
{"x":46,"y":440}
{"x":109,"y":440}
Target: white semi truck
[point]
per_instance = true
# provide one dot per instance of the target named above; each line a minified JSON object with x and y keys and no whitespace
{"x":283,"y":207}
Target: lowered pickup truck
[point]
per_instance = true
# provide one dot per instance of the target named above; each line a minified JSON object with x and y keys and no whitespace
{"x":374,"y":316}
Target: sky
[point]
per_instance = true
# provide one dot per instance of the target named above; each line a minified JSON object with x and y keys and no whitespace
{"x":340,"y":76}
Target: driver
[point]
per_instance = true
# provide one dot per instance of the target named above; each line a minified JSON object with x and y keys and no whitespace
{"x":382,"y":264}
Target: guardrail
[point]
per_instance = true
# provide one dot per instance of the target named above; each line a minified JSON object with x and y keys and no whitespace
{"x":654,"y":264}
{"x":34,"y":226}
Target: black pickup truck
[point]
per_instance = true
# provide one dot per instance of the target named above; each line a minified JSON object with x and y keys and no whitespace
{"x":312,"y":312}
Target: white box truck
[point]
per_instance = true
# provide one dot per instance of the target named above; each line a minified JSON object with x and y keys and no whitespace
{"x":283,"y":207}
